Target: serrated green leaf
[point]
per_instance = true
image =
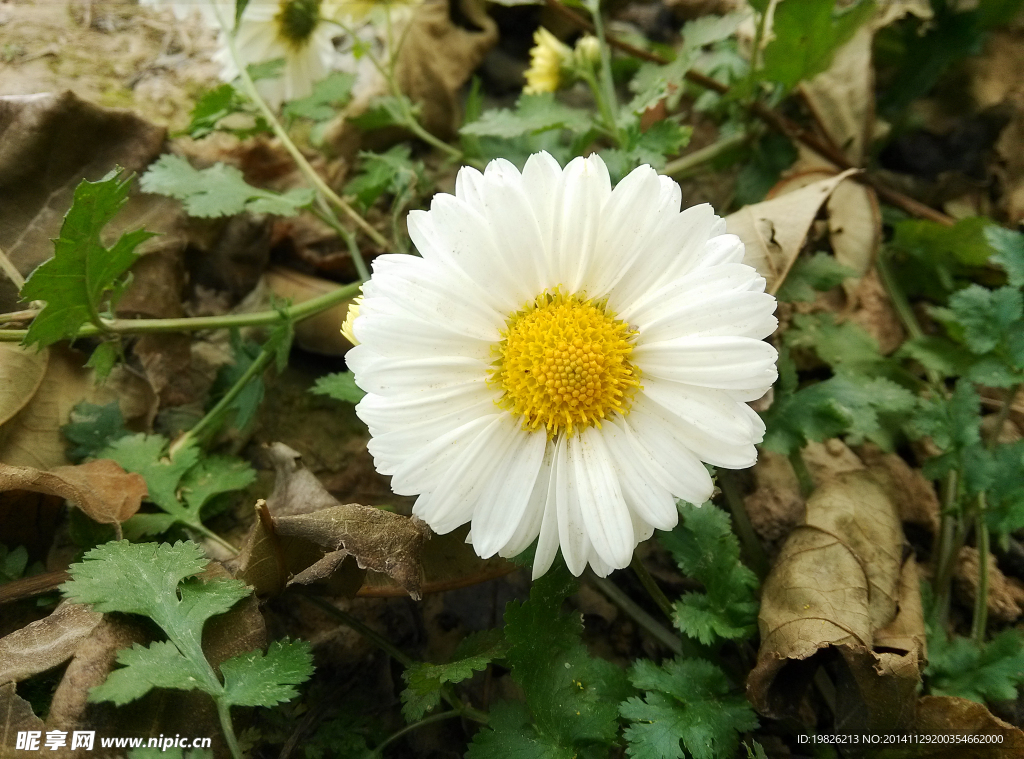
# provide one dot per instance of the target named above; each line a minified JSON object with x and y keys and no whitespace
{"x":425,"y":681}
{"x":1005,"y":494}
{"x":939,"y":354}
{"x":340,"y":386}
{"x":963,"y":668}
{"x":984,"y":317}
{"x":845,"y":345}
{"x":213,"y":475}
{"x":216,"y":105}
{"x":253,"y":679}
{"x":92,"y":428}
{"x":509,"y":735}
{"x":329,"y":94}
{"x":813,"y":273}
{"x":393,"y":172}
{"x":806,"y":36}
{"x":159,"y":665}
{"x":219,"y":190}
{"x":103,"y":358}
{"x":147,"y":455}
{"x":247,"y":402}
{"x":706,"y":549}
{"x":1009,"y":252}
{"x":384,"y":112}
{"x":688,"y":703}
{"x":533,"y":114}
{"x":81,"y":279}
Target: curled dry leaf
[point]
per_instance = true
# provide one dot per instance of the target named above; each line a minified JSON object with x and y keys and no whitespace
{"x":945,"y":715}
{"x":842,"y":587}
{"x":47,"y":642}
{"x":102,"y":489}
{"x":16,"y":716}
{"x":311,"y":533}
{"x":21,"y":373}
{"x":435,"y":81}
{"x":1005,"y":594}
{"x":320,"y":333}
{"x":774,"y":230}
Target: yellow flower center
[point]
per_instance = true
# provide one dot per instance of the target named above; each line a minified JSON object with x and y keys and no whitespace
{"x":296,"y":21}
{"x":563,"y":363}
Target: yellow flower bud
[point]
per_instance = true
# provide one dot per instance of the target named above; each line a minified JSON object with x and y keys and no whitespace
{"x":547,"y":59}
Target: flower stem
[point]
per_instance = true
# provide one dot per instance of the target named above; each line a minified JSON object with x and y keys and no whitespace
{"x":607,"y":82}
{"x":224,"y":714}
{"x":297,"y":312}
{"x":300,"y":160}
{"x":656,"y":593}
{"x":803,"y":474}
{"x":687,"y":164}
{"x":658,"y":631}
{"x":981,"y":536}
{"x":756,"y":557}
{"x":414,"y":726}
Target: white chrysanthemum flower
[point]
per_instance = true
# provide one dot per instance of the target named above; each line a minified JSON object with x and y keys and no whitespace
{"x":299,"y":31}
{"x":562,"y":359}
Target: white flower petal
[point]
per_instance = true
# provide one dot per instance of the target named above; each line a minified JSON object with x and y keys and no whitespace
{"x":604,"y":510}
{"x":503,"y":504}
{"x":649,"y":501}
{"x":391,"y":376}
{"x":732,"y":363}
{"x":423,"y":470}
{"x":403,"y":335}
{"x":547,"y":540}
{"x":381,"y":412}
{"x":572,"y":532}
{"x":529,"y":526}
{"x":586,"y":189}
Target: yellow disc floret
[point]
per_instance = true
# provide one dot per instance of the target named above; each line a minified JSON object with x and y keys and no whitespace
{"x":563,"y":363}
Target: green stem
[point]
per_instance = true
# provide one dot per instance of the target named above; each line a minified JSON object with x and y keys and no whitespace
{"x":803,"y":474}
{"x":687,"y":164}
{"x":415,"y":726}
{"x":656,"y":593}
{"x":300,"y":160}
{"x":224,"y":714}
{"x":586,"y":73}
{"x":980,"y":621}
{"x":207,"y":532}
{"x":370,"y":634}
{"x":607,"y":82}
{"x":658,"y":631}
{"x":752,"y":548}
{"x":295,"y":313}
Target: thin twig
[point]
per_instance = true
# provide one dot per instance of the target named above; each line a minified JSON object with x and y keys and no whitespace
{"x":687,"y":164}
{"x":658,"y":631}
{"x":657,"y":594}
{"x":11,"y":271}
{"x":752,"y":548}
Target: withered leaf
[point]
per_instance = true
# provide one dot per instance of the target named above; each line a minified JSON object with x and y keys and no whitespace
{"x":16,"y":715}
{"x":21,"y":372}
{"x":841,"y":586}
{"x":944,"y":715}
{"x":774,"y":230}
{"x":47,"y":642}
{"x":101,"y":488}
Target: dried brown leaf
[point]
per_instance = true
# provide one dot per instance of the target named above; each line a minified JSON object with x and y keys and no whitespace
{"x":839,"y":580}
{"x":774,"y":230}
{"x":940,"y":716}
{"x":47,"y":642}
{"x":16,"y":715}
{"x":1005,"y":599}
{"x":102,"y":489}
{"x":21,"y":373}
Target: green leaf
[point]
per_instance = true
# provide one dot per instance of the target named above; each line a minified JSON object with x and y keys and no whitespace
{"x":214,"y":475}
{"x":84,"y":278}
{"x":940,"y":354}
{"x":216,"y":105}
{"x":392,"y":172}
{"x":92,"y":428}
{"x":1009,"y":252}
{"x":664,"y":138}
{"x":247,"y":402}
{"x":329,"y":94}
{"x":220,"y":190}
{"x":533,"y":114}
{"x":147,"y":455}
{"x":932,"y":256}
{"x":271,"y":69}
{"x":761,"y":167}
{"x":12,"y":562}
{"x":571,"y":695}
{"x":980,"y":672}
{"x":687,"y":702}
{"x":160,"y":665}
{"x":1005,"y":494}
{"x":384,"y":112}
{"x":425,"y":681}
{"x":846,"y":345}
{"x":509,"y":735}
{"x":818,"y":272}
{"x":103,"y":358}
{"x":706,"y":549}
{"x":340,"y":386}
{"x":253,"y":679}
{"x":807,"y":34}
{"x":984,"y":317}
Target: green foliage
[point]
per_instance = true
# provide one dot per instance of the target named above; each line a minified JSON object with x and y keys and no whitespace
{"x":809,"y":274}
{"x":760,"y":168}
{"x":846,"y":345}
{"x":1009,"y":252}
{"x":990,"y":323}
{"x":930,"y":258}
{"x":425,"y":681}
{"x":807,"y":35}
{"x":92,"y":428}
{"x":686,"y":701}
{"x":13,"y":562}
{"x":954,"y":426}
{"x":385,"y":111}
{"x":860,"y":407}
{"x":84,"y":279}
{"x":157,"y":580}
{"x":964,"y":668}
{"x":532,"y":114}
{"x":571,"y":697}
{"x":392,"y":172}
{"x":341,"y":386}
{"x":664,"y":138}
{"x":706,"y":549}
{"x":180,"y":483}
{"x":218,"y":104}
{"x":247,"y":402}
{"x":938,"y":354}
{"x":219,"y":190}
{"x":329,"y":94}
{"x":1005,"y":493}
